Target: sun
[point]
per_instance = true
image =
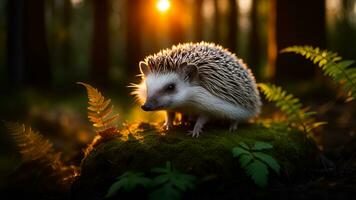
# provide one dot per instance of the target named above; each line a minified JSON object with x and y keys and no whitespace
{"x":163,"y":5}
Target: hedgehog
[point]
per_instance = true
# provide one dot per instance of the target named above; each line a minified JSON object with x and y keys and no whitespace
{"x":203,"y":80}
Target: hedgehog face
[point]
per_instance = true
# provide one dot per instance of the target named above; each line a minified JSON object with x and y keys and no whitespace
{"x":164,"y":91}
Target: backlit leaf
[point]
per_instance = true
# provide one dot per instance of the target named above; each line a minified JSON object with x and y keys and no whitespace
{"x":99,"y":109}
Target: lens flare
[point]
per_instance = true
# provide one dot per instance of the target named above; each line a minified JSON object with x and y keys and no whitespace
{"x":163,"y":5}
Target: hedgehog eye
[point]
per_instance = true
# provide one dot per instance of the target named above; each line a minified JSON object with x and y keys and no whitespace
{"x":170,"y":87}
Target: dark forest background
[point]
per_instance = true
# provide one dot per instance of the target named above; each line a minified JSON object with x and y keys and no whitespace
{"x":51,"y":44}
{"x":46,"y":46}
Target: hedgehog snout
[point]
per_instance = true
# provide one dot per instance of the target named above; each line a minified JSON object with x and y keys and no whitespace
{"x":149,"y":105}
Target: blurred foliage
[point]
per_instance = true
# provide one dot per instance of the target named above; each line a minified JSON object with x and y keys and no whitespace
{"x":34,"y":147}
{"x":69,"y":34}
{"x":298,"y":116}
{"x":58,"y":112}
{"x":27,"y":140}
{"x":332,"y":65}
{"x":341,"y":27}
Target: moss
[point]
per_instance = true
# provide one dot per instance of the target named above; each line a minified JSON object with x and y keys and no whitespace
{"x":208,"y":156}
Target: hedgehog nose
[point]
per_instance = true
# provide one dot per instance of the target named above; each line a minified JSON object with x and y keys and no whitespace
{"x":147,"y":107}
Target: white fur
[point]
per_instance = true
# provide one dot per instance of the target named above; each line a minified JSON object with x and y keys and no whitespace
{"x":139,"y":92}
{"x":203,"y":102}
{"x":191,"y":99}
{"x":155,"y":82}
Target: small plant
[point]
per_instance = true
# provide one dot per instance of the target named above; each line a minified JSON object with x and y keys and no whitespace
{"x":128,"y":182}
{"x":100,"y":110}
{"x":291,"y":106}
{"x":332,"y":65}
{"x":34,"y":147}
{"x":100,"y":113}
{"x":168,"y":184}
{"x":27,"y":140}
{"x":171,"y":183}
{"x":255,"y":162}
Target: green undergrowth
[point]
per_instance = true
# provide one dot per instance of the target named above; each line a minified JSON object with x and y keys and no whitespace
{"x":207,"y":157}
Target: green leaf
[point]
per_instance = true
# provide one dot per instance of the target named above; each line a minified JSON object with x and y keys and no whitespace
{"x":245,"y":160}
{"x":244,"y":145}
{"x":269,"y":160}
{"x":172,"y":178}
{"x":290,"y":106}
{"x":258,"y":172}
{"x":161,"y":179}
{"x":164,"y":193}
{"x":237,"y":151}
{"x":128,"y":182}
{"x":262,"y":145}
{"x":114,"y":188}
{"x":345,"y":64}
{"x":183,"y":181}
{"x":332,"y":65}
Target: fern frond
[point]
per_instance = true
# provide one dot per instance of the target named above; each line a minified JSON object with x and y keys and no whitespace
{"x":291,"y":106}
{"x":32,"y":145}
{"x":100,"y":110}
{"x":332,"y":65}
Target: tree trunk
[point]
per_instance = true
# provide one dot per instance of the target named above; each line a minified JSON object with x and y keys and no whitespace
{"x":66,"y":50}
{"x":134,"y":29}
{"x":298,"y":23}
{"x":100,"y":47}
{"x":38,"y":69}
{"x":216,"y":22}
{"x":15,"y":42}
{"x":254,"y":39}
{"x":272,"y":44}
{"x":28,"y":58}
{"x":176,"y":29}
{"x":198,"y":18}
{"x":232,"y":24}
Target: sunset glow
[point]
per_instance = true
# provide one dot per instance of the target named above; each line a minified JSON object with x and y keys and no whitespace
{"x":163,"y":5}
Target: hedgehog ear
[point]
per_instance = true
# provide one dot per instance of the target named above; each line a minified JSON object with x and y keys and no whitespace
{"x":144,"y":68}
{"x":190,"y":71}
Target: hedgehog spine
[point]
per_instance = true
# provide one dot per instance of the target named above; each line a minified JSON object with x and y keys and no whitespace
{"x":200,"y":79}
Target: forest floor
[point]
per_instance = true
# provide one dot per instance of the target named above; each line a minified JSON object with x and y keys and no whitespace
{"x":63,"y":121}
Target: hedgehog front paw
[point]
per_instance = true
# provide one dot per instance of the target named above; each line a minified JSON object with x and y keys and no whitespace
{"x":198,"y":127}
{"x":195,"y":133}
{"x":167,"y":126}
{"x":233,"y":126}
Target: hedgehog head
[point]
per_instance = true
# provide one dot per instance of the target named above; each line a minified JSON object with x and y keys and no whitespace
{"x":165,"y":89}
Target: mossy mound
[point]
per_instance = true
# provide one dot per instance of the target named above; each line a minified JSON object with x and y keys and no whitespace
{"x":208,"y":157}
